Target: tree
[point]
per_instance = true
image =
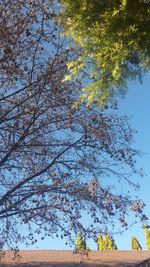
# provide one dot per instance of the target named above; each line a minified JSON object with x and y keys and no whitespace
{"x":54,"y":159}
{"x":114,"y":39}
{"x":114,"y":246}
{"x":135,"y":244}
{"x":107,"y":242}
{"x":80,"y":242}
{"x":147,"y":236}
{"x":99,"y":242}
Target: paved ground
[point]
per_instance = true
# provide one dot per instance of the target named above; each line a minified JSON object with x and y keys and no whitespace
{"x":59,"y":258}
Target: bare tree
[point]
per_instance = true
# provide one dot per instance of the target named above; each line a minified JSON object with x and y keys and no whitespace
{"x":54,"y":159}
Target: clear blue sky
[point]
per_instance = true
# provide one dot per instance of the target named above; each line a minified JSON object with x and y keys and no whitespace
{"x":135,"y":104}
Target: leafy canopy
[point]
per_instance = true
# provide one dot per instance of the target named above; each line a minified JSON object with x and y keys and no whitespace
{"x":55,"y":161}
{"x":114,"y":38}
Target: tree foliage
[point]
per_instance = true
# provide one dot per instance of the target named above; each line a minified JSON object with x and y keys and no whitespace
{"x":135,"y":244}
{"x":114,"y":246}
{"x":114,"y":39}
{"x":99,"y":241}
{"x":107,"y":242}
{"x":80,"y":242}
{"x":55,"y":160}
{"x":147,"y":236}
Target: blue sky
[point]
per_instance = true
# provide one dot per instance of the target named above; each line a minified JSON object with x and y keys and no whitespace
{"x":136,"y":104}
